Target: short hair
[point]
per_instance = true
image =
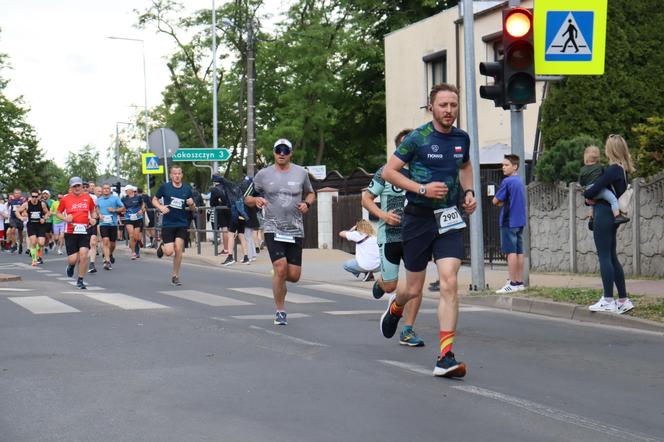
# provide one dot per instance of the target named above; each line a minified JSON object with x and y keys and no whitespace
{"x":513,"y":159}
{"x":440,"y":87}
{"x":176,"y":167}
{"x":34,"y":190}
{"x":401,"y":135}
{"x":591,"y":154}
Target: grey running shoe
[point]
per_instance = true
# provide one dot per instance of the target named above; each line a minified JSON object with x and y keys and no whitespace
{"x":175,"y":281}
{"x":280,"y":319}
{"x":92,"y":268}
{"x":107,"y":265}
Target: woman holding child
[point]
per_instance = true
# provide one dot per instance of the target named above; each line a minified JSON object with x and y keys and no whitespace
{"x":605,"y":226}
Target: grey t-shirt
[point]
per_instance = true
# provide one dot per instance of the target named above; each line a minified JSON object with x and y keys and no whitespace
{"x":283,"y":191}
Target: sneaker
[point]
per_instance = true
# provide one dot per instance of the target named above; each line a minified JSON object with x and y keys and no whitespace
{"x":40,"y":260}
{"x":92,"y":268}
{"x":624,"y":306}
{"x":509,"y":288}
{"x":107,"y":265}
{"x":50,"y":245}
{"x":389,"y":322}
{"x":448,"y":367}
{"x":377,"y":291}
{"x":258,"y":250}
{"x":175,"y":280}
{"x":229,"y":261}
{"x":160,"y":250}
{"x":70,"y":270}
{"x":112,"y":259}
{"x":409,"y":337}
{"x":20,"y":250}
{"x":246,"y":260}
{"x":280,"y":319}
{"x":132,"y":256}
{"x":620,"y":219}
{"x":368,"y":277}
{"x":80,"y":284}
{"x":59,"y":251}
{"x":434,"y":286}
{"x":604,"y":305}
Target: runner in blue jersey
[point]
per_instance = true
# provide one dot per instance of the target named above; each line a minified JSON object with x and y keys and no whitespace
{"x":135,"y":209}
{"x":437,"y":155}
{"x":172,"y":200}
{"x":109,"y":207}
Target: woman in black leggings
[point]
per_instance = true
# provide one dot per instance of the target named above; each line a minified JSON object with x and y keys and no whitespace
{"x":604,"y":228}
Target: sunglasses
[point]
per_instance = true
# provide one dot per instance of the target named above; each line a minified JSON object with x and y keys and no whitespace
{"x":34,"y":196}
{"x":282,"y":150}
{"x":76,"y":185}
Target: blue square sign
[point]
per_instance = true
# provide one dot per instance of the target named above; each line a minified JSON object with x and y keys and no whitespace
{"x":569,"y":36}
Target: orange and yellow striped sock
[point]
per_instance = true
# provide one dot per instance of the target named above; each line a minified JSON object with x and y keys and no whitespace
{"x":396,"y":310}
{"x":446,"y":341}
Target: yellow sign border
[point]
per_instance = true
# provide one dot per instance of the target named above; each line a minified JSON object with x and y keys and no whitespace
{"x":592,"y":67}
{"x":144,"y":157}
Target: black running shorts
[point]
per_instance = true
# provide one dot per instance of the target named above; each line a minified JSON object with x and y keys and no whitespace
{"x":278,"y":250}
{"x":110,"y":232}
{"x":168,"y":234}
{"x":36,"y":229}
{"x":75,"y":242}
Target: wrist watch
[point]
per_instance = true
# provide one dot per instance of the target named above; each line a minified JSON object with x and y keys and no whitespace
{"x":423,"y":189}
{"x":465,"y":192}
{"x":307,"y":203}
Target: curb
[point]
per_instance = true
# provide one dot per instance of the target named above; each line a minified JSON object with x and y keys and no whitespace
{"x":8,"y":278}
{"x":561,"y":310}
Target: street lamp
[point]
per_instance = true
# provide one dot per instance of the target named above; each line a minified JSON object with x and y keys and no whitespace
{"x":117,"y":145}
{"x":215,"y":131}
{"x":145,"y":91}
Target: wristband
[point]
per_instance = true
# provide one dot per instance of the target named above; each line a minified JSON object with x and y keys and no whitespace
{"x":465,"y":192}
{"x":307,"y":203}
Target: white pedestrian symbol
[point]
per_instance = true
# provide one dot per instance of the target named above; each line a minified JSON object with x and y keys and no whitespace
{"x":569,"y":39}
{"x":152,"y":163}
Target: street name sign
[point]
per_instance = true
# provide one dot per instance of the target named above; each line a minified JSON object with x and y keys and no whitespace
{"x":570,"y":37}
{"x":150,"y":164}
{"x":196,"y":154}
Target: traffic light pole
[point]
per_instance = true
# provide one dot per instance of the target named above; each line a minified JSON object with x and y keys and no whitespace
{"x":518,"y":148}
{"x":476,"y":227}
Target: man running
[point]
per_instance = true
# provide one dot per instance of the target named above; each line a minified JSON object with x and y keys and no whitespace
{"x":34,"y":212}
{"x":48,"y":224}
{"x":77,"y":209}
{"x":440,"y":174}
{"x":95,"y":192}
{"x":389,"y":216}
{"x":109,"y":207}
{"x":15,"y":224}
{"x":135,"y":209}
{"x":174,"y":196}
{"x":285,"y":191}
{"x":58,"y":226}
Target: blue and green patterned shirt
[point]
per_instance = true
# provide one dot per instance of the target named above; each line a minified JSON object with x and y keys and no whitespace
{"x":435,"y":156}
{"x":391,"y":198}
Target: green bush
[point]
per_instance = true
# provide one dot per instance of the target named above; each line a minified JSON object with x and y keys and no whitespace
{"x":563,"y":161}
{"x":649,"y":152}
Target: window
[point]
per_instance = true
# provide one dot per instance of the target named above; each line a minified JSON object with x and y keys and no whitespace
{"x":435,"y":70}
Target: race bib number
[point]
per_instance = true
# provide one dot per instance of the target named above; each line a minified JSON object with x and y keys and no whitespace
{"x":134,"y":217}
{"x":177,"y":203}
{"x":107,"y":218}
{"x":80,"y":229}
{"x":284,"y":238}
{"x":35,"y":215}
{"x":449,"y":219}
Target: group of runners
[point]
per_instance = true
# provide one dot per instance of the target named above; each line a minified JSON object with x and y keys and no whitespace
{"x":421,"y":189}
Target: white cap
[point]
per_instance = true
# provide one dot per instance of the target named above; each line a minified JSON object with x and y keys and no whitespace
{"x":283,"y":142}
{"x":130,"y":187}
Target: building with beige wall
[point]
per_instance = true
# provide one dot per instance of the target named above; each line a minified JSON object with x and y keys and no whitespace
{"x":432,"y":51}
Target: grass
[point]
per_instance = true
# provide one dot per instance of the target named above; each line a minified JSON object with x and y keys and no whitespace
{"x":644,"y":307}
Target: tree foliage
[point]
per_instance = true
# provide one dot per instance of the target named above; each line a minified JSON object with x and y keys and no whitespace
{"x":83,"y":164}
{"x":649,"y":155}
{"x":631,"y":89}
{"x":563,"y":162}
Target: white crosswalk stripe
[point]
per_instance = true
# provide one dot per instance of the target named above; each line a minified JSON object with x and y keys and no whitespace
{"x":42,"y":305}
{"x":125,"y":302}
{"x":205,"y":298}
{"x":12,"y":289}
{"x":295,"y":298}
{"x":353,"y":292}
{"x":268,"y":317}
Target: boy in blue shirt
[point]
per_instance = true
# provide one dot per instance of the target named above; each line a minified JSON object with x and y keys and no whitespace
{"x":511,"y":197}
{"x":109,"y":206}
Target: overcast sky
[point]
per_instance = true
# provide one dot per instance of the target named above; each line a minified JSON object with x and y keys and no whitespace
{"x":76,"y":81}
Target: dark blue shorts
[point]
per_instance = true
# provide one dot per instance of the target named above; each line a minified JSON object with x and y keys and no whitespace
{"x":422,"y":242}
{"x":511,"y":240}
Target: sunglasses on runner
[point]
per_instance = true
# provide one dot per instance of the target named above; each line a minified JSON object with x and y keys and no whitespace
{"x":34,"y":196}
{"x":282,"y":150}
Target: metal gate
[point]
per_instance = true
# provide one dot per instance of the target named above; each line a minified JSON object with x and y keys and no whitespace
{"x":311,"y":227}
{"x":347,"y":211}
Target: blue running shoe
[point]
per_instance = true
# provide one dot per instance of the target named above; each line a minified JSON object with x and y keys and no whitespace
{"x":377,"y":291}
{"x":70,"y":271}
{"x":409,"y":337}
{"x":280,"y":319}
{"x":448,"y":367}
{"x":80,"y":284}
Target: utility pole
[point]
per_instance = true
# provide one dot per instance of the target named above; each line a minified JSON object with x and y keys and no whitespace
{"x":251,"y":122}
{"x":476,"y":224}
{"x":215,"y":139}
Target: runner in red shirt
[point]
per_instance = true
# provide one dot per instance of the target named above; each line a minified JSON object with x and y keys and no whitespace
{"x":78,"y":210}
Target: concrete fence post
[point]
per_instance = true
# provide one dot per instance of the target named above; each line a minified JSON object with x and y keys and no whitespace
{"x":572,"y":228}
{"x":636,"y":227}
{"x":325,"y":199}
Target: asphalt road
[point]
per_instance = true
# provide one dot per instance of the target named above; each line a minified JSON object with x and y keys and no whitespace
{"x":136,"y":359}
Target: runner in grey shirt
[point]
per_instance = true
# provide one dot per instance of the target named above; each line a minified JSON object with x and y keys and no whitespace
{"x":284,"y":192}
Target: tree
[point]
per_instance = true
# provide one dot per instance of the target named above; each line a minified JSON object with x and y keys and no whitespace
{"x":83,"y":163}
{"x":563,"y":162}
{"x":649,"y":155}
{"x":631,"y":88}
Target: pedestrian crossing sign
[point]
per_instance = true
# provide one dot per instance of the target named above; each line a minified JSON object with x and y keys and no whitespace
{"x":570,"y":37}
{"x":150,"y":164}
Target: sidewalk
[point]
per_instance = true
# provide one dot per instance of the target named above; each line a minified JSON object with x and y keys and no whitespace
{"x":325,"y":265}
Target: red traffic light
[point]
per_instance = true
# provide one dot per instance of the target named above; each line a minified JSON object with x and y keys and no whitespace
{"x":519,"y":22}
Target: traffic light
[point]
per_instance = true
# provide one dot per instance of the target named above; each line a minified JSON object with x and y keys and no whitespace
{"x":496,"y":91}
{"x":151,"y":181}
{"x":519,"y":56}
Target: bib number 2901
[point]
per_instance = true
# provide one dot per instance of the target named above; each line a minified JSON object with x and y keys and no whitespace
{"x":449,"y":219}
